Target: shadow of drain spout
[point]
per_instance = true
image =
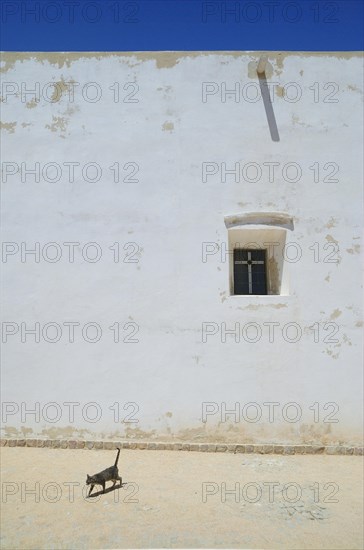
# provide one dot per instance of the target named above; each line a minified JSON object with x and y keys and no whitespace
{"x":266,"y":99}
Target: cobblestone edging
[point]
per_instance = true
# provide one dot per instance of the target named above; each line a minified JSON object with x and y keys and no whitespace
{"x":201,"y":447}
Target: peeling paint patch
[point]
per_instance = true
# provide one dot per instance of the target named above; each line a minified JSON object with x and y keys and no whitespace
{"x":163,"y":60}
{"x":26,"y":431}
{"x":347,"y":340}
{"x":280,"y":62}
{"x":31,"y":104}
{"x":192,"y":434}
{"x":60,"y":88}
{"x":354,"y":89}
{"x":10,"y":431}
{"x":71,"y":110}
{"x":332,"y":354}
{"x":168,"y":127}
{"x":296,"y":120}
{"x":330,"y":239}
{"x":137,"y":433}
{"x":167,"y":91}
{"x":8,"y":126}
{"x":335,"y":314}
{"x":63,"y":433}
{"x":58,"y":124}
{"x":354,"y":250}
{"x":331,"y":223}
{"x":280,"y":91}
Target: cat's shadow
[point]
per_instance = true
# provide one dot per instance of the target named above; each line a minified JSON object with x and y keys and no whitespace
{"x":108,"y":490}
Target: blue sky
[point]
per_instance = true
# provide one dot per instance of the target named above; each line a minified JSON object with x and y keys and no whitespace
{"x":106,"y":25}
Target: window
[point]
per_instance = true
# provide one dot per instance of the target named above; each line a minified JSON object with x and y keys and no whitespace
{"x":250,"y":271}
{"x":256,"y":248}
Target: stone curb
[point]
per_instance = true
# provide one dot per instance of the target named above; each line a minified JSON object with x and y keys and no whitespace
{"x":199,"y":447}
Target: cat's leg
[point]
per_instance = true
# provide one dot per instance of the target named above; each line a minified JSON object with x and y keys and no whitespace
{"x":103,"y":486}
{"x":121,"y":481}
{"x":91,"y":488}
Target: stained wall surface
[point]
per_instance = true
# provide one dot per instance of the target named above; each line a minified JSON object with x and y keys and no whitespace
{"x":119,"y":172}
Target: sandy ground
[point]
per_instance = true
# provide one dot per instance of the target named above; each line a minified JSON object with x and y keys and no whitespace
{"x":162,"y":503}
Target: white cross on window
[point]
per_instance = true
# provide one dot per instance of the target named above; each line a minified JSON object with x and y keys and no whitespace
{"x":249,"y":262}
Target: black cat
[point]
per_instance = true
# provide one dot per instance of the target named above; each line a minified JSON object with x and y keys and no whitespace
{"x":110,"y":474}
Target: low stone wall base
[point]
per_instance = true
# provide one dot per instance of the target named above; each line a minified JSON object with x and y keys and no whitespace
{"x":199,"y":447}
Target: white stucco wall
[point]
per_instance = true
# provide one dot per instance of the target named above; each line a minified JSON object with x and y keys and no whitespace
{"x":169,"y":133}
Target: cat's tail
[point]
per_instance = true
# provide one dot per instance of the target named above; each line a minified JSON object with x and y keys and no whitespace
{"x":117,"y":457}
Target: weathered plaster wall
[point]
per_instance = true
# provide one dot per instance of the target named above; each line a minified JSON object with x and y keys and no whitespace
{"x":169,"y":212}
